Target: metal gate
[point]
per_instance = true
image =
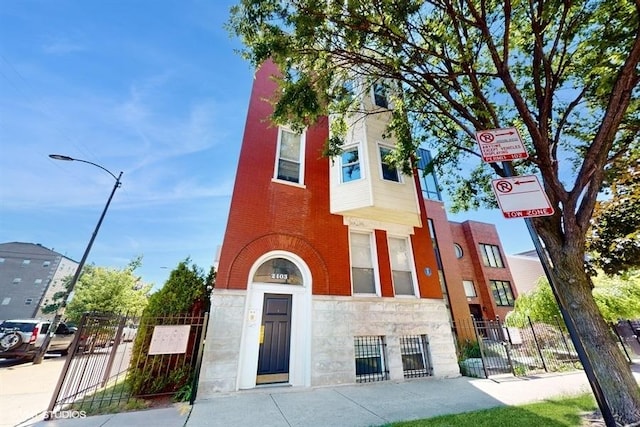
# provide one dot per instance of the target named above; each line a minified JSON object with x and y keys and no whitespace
{"x":96,"y":374}
{"x":498,"y":349}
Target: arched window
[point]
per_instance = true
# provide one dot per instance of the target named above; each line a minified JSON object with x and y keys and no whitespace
{"x":278,"y":270}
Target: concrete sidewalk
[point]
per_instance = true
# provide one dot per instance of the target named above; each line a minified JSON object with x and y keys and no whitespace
{"x":358,"y":405}
{"x":378,"y":403}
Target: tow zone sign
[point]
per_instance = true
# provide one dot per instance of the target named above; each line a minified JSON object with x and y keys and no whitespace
{"x":521,"y":197}
{"x":501,"y":145}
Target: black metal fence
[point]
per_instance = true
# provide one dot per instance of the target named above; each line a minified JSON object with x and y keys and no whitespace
{"x":628,"y":334}
{"x":116,"y":362}
{"x":498,"y":349}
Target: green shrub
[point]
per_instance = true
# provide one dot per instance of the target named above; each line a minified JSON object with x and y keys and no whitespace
{"x":185,"y":294}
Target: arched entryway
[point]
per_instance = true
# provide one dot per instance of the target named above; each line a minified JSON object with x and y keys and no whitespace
{"x":277,"y":325}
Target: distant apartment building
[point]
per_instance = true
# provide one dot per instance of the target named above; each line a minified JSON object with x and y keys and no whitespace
{"x":526,"y":270}
{"x":29,"y":275}
{"x":343,"y":270}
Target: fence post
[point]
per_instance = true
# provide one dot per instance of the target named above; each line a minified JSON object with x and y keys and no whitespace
{"x":506,"y":344}
{"x":564,"y":340}
{"x":65,"y":369}
{"x":196,"y":374}
{"x":535,"y":340}
{"x":114,"y":349}
{"x":479,"y":341}
{"x":622,"y":343}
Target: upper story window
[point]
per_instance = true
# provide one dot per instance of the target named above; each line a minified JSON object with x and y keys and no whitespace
{"x":46,"y":263}
{"x":428,"y":180}
{"x":17,"y":280}
{"x":502,"y":293}
{"x":401,"y":261}
{"x":28,"y":301}
{"x":350,"y":163}
{"x":380,"y":98}
{"x":491,"y":255}
{"x":347,"y":91}
{"x":362,"y":271}
{"x":469,"y":289}
{"x":289,"y":166}
{"x":458,"y":250}
{"x":389,"y":172}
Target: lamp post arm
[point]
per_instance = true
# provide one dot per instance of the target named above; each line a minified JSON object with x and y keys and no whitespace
{"x":104,"y":169}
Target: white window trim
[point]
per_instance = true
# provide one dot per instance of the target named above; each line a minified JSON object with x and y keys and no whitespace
{"x":374,"y":262}
{"x":400,"y":180}
{"x":301,"y":159}
{"x":412,"y":264}
{"x":357,"y":146}
{"x":473,"y":285}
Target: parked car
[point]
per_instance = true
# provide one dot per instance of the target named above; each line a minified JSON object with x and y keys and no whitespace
{"x":23,"y":338}
{"x":129,"y":333}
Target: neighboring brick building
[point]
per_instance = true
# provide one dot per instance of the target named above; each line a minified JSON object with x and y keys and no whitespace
{"x":526,"y":270}
{"x":29,"y":275}
{"x":327,"y":273}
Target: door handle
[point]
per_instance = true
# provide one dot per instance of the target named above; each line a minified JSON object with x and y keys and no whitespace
{"x":261,"y":337}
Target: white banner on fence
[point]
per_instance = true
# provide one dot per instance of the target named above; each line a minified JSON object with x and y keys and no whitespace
{"x":169,"y":339}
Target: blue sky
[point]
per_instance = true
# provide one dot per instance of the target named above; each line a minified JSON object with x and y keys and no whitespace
{"x":152,"y":88}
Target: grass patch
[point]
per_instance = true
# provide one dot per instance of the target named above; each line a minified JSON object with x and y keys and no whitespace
{"x":113,"y":399}
{"x":560,"y":412}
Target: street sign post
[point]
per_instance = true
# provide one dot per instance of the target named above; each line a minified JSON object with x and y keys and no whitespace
{"x":501,"y":145}
{"x":521,"y":197}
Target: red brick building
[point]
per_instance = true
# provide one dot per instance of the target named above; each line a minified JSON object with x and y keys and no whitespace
{"x":328,"y":273}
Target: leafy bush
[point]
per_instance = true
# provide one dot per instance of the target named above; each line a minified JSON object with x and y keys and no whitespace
{"x":185,"y":294}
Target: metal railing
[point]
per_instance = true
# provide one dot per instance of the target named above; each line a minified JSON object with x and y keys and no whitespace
{"x":499,"y":349}
{"x":110,"y":366}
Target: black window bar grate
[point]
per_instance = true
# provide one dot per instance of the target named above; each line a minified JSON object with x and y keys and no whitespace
{"x":370,"y":359}
{"x":416,"y":360}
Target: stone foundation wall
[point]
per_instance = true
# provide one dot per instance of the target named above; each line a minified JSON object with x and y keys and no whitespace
{"x":337,"y":320}
{"x":221,"y":355}
{"x":335,"y":323}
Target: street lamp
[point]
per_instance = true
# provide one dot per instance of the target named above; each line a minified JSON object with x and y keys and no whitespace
{"x":76,"y":276}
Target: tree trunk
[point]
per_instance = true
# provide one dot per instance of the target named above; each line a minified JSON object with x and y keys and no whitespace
{"x":609,"y":365}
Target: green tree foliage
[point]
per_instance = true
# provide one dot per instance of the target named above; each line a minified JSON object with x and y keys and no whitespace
{"x":617,"y":297}
{"x":186,"y":290}
{"x":615,"y":232}
{"x":105,"y":290}
{"x":565,"y":74}
{"x":539,"y":305}
{"x":185,"y":296}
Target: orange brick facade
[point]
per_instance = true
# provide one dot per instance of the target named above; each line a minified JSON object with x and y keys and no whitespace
{"x":267,"y":215}
{"x":283,"y":308}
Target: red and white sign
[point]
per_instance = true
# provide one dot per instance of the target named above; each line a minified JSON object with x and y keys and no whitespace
{"x":521,"y":197}
{"x":500,"y":145}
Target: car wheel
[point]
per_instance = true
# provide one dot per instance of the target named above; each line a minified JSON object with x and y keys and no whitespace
{"x":10,"y":341}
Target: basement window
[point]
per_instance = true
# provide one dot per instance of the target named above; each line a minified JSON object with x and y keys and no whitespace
{"x":416,"y":361}
{"x":370,"y":359}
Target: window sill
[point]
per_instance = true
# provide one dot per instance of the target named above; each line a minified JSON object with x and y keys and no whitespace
{"x":292,"y":184}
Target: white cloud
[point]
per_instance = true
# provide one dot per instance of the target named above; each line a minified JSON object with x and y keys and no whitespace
{"x":62,"y":47}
